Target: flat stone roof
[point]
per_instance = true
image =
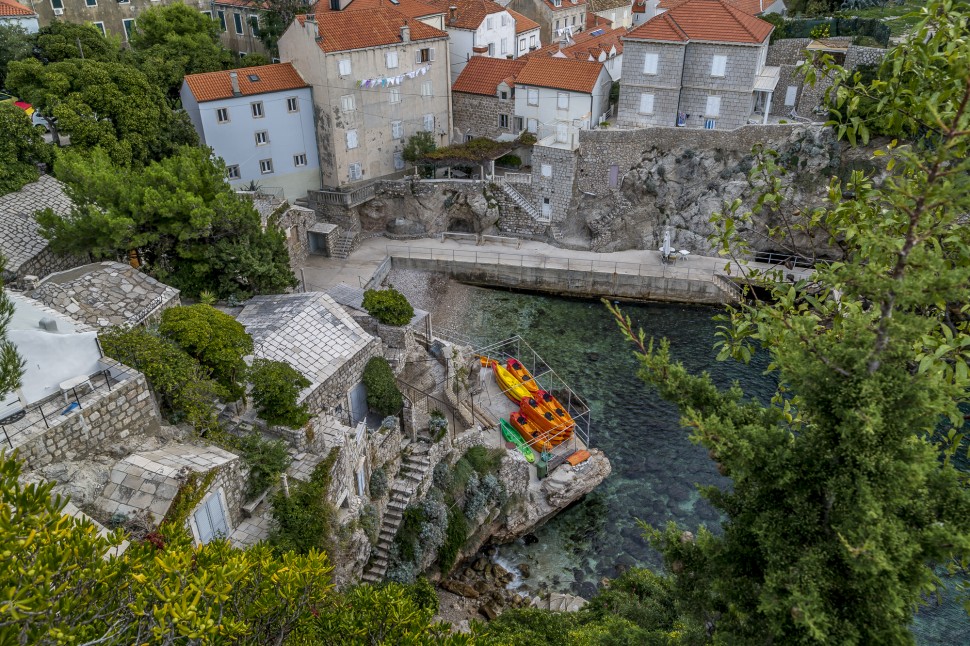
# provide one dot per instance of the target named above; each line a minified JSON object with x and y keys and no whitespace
{"x":20,"y":238}
{"x":104,"y":294}
{"x":309,"y":331}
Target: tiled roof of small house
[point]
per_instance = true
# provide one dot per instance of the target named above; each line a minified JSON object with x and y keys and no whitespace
{"x":606,"y":5}
{"x":483,"y":74}
{"x":11,"y":8}
{"x":410,"y":8}
{"x":560,"y":74}
{"x":104,"y":294}
{"x":522,"y":23}
{"x":750,"y":7}
{"x":20,"y":239}
{"x":594,"y":22}
{"x":705,"y":20}
{"x":213,"y":86}
{"x":565,"y":4}
{"x":309,"y":331}
{"x":359,"y":29}
{"x":468,"y":14}
{"x":586,"y":46}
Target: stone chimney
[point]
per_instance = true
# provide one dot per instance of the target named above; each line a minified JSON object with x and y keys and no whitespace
{"x":312,"y":30}
{"x":405,"y":33}
{"x":234,"y":81}
{"x":452,"y":10}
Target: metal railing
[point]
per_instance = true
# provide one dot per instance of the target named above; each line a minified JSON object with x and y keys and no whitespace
{"x":786,"y":259}
{"x":57,"y":408}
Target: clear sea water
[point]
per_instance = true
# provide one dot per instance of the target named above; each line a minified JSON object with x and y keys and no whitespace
{"x":655,"y":466}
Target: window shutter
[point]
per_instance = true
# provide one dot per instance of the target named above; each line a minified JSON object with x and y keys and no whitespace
{"x":429,"y":123}
{"x":431,"y":57}
{"x":650,"y":64}
{"x":646,"y":104}
{"x":562,"y":101}
{"x":713,"y":106}
{"x":417,"y":56}
{"x":718,"y":65}
{"x":790,"y":94}
{"x":351,"y":139}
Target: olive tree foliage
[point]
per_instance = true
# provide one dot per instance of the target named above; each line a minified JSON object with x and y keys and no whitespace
{"x":22,"y":148}
{"x":11,"y":364}
{"x":844,"y":493}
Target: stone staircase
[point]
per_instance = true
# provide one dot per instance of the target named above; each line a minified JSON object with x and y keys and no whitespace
{"x":414,"y":468}
{"x":524,"y":204}
{"x":346,"y":243}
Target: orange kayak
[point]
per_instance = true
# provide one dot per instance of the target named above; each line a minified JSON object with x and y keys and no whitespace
{"x":522,"y":374}
{"x":532,"y":435}
{"x":545,"y":421}
{"x":553,"y":406}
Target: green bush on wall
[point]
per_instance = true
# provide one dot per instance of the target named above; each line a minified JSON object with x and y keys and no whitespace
{"x":388,"y":306}
{"x":382,"y":393}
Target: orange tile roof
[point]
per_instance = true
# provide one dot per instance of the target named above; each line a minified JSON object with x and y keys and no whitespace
{"x":346,"y":30}
{"x":606,"y":5}
{"x":483,"y":74}
{"x":469,"y":14}
{"x":710,"y":20}
{"x":585,"y":44}
{"x":597,"y":22}
{"x":11,"y":8}
{"x":560,"y":73}
{"x":566,"y":4}
{"x":212,"y":86}
{"x":523,"y":23}
{"x":410,"y":8}
{"x":750,"y":7}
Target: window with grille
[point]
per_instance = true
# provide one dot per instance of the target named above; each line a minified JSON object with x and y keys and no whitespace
{"x":429,"y":123}
{"x":397,"y":130}
{"x":427,"y":89}
{"x":562,"y":101}
{"x":237,"y":23}
{"x":354,"y":171}
{"x":262,"y":138}
{"x":503,"y":121}
{"x":265,"y":166}
{"x":347,"y":103}
{"x":394,"y":95}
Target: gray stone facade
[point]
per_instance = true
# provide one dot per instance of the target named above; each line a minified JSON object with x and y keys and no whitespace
{"x":570,"y":13}
{"x":664,"y":85}
{"x":479,"y":115}
{"x":331,"y":395}
{"x":106,"y":419}
{"x":557,"y":190}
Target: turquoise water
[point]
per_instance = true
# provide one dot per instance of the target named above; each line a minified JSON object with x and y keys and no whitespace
{"x":655,"y":466}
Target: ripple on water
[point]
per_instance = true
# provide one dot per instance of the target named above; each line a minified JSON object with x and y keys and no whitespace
{"x":655,"y":466}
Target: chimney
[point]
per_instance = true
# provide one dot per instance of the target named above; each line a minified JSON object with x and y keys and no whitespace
{"x":312,"y":30}
{"x":234,"y":81}
{"x":405,"y":33}
{"x":452,"y":10}
{"x":48,"y":324}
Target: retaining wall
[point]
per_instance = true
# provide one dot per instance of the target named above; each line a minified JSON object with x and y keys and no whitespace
{"x":582,"y":283}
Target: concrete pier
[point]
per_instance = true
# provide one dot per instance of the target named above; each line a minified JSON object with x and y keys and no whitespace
{"x":536,"y":266}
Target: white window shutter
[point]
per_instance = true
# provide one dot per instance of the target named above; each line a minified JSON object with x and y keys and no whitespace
{"x":417,"y":56}
{"x":790,"y":94}
{"x":718,"y":65}
{"x":650,"y":64}
{"x":646,"y":103}
{"x":713,"y":106}
{"x":432,"y":54}
{"x":351,"y":139}
{"x":562,"y":101}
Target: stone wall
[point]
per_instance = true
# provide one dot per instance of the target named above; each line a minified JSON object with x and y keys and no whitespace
{"x":106,"y":419}
{"x":478,"y":115}
{"x":513,"y":219}
{"x":295,"y":222}
{"x":557,"y":189}
{"x":664,"y":85}
{"x":232,"y":477}
{"x":333,"y":392}
{"x":47,"y":262}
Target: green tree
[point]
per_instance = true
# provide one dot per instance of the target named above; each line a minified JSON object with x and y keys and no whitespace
{"x":276,"y":389}
{"x":277,"y":18}
{"x":388,"y":306}
{"x":382,"y":393}
{"x":172,"y":41}
{"x":102,"y":104}
{"x":418,"y":145}
{"x":183,"y":387}
{"x":21,"y":148}
{"x":61,"y":41}
{"x":214,"y":339}
{"x":15,"y":44}
{"x":11,"y":364}
{"x":252,"y":60}
{"x":305,"y":518}
{"x":844,"y":495}
{"x":188,"y":225}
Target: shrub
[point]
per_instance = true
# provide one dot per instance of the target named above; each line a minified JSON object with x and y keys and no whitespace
{"x":382,"y":393}
{"x":475,"y":497}
{"x":306,"y":520}
{"x":423,"y":594}
{"x":441,"y":476}
{"x":455,"y":538}
{"x":378,"y":483}
{"x":368,"y":522}
{"x":388,"y":306}
{"x":437,"y":425}
{"x":266,"y":461}
{"x":483,"y":459}
{"x":513,"y":161}
{"x":276,"y":387}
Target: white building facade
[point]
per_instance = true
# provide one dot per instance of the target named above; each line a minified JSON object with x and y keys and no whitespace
{"x":259,"y":120}
{"x":479,"y":28}
{"x":14,"y":13}
{"x":556,"y":97}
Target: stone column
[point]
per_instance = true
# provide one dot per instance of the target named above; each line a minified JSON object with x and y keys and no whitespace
{"x":764,"y":121}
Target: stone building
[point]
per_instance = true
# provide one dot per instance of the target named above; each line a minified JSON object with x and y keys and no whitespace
{"x":483,"y":99}
{"x":106,"y":294}
{"x":598,"y":45}
{"x":26,"y":251}
{"x":555,"y":17}
{"x":14,"y":13}
{"x":527,"y":32}
{"x":316,"y":336}
{"x":259,"y":120}
{"x":379,"y":73}
{"x":644,"y":10}
{"x":295,"y":222}
{"x":700,"y":64}
{"x":238,"y":24}
{"x":618,"y":12}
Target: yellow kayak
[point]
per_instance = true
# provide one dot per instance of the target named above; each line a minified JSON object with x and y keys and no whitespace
{"x":511,"y":386}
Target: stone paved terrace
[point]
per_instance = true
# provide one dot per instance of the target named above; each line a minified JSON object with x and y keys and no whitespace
{"x":104,"y":294}
{"x":323,"y":273}
{"x":20,"y":239}
{"x":252,"y":530}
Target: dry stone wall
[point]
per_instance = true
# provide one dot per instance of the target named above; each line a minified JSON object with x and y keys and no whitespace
{"x":332,"y":393}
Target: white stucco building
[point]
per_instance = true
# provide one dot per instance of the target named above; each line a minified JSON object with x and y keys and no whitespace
{"x":477,"y":28}
{"x":559,"y":96}
{"x":259,"y":120}
{"x":14,"y":13}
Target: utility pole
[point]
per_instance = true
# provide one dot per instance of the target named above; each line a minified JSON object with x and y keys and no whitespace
{"x":79,"y":48}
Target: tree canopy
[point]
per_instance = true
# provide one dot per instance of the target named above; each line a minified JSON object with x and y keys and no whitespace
{"x":22,"y":147}
{"x":11,"y":364}
{"x":188,"y":225}
{"x":844,"y":495}
{"x":172,"y":41}
{"x":61,"y":41}
{"x":15,"y":43}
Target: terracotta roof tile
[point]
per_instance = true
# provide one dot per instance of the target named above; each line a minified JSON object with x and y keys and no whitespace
{"x":709,"y":20}
{"x":483,"y":74}
{"x":349,"y":29}
{"x":566,"y":4}
{"x":586,"y":44}
{"x":523,"y":23}
{"x":560,"y":73}
{"x":750,"y":7}
{"x":469,"y":14}
{"x":410,"y":8}
{"x":212,"y":86}
{"x":12,"y":8}
{"x":606,"y":5}
{"x":597,"y":22}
